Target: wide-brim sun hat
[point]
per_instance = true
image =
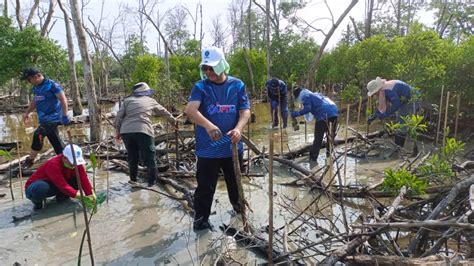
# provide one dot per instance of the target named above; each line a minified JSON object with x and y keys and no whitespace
{"x":374,"y":86}
{"x":142,"y":89}
{"x":67,"y":152}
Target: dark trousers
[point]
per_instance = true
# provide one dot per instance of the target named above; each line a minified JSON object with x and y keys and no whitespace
{"x":39,"y":190}
{"x":140,"y":144}
{"x":281,"y":107}
{"x":207,"y":174}
{"x":49,"y":130}
{"x":322,"y":127}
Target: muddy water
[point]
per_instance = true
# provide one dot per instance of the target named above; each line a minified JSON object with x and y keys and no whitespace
{"x":140,"y":227}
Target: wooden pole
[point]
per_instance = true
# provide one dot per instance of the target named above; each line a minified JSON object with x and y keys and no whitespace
{"x":439,"y":115}
{"x":79,"y":185}
{"x":270,"y":202}
{"x":369,"y":107}
{"x":19,"y":161}
{"x":458,"y":103}
{"x":358,"y":112}
{"x":248,"y":149}
{"x":238,"y":179}
{"x":345,"y":143}
{"x":280,"y":120}
{"x":305,"y":131}
{"x":445,"y":131}
{"x":176,"y":141}
{"x":107,"y":170}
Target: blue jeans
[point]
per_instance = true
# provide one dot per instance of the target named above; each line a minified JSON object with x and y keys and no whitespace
{"x":283,"y":108}
{"x":406,"y":109}
{"x":39,"y":190}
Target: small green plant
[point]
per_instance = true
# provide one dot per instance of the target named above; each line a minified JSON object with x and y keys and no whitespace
{"x":4,"y":153}
{"x":413,"y":123}
{"x":436,"y":169}
{"x":452,"y":149}
{"x":93,"y":165}
{"x":395,"y":180}
{"x":350,"y":93}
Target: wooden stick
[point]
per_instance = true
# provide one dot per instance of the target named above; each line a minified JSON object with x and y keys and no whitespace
{"x":248,"y":149}
{"x":280,"y":120}
{"x":19,"y":162}
{"x":458,"y":103}
{"x":358,"y":112}
{"x":238,"y":179}
{"x":345,"y":143}
{"x":176,"y":143}
{"x":445,"y":131}
{"x":305,"y":132}
{"x":439,"y":115}
{"x":270,"y":200}
{"x":369,"y":107}
{"x":79,"y":185}
{"x":107,"y":169}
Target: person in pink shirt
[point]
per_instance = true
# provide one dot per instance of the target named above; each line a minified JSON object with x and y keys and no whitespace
{"x":56,"y":177}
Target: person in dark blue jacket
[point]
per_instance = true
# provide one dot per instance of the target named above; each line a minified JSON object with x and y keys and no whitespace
{"x":278,"y":95}
{"x":51,"y":105}
{"x":394,"y":97}
{"x":324,"y":110}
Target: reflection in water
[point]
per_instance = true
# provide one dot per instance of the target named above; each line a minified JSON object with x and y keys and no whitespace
{"x":142,"y":227}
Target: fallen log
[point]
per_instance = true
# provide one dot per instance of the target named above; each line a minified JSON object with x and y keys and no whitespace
{"x":397,"y":260}
{"x":434,"y":224}
{"x":415,"y":245}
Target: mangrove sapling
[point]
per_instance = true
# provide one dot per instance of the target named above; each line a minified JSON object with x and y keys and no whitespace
{"x":395,"y":180}
{"x":4,"y":153}
{"x":93,"y":165}
{"x":413,"y":124}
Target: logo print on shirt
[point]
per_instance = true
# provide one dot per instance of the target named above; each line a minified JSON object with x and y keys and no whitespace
{"x":221,"y":109}
{"x":39,"y":98}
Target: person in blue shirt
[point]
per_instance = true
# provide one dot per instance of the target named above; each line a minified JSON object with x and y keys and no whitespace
{"x":278,"y":96}
{"x":325,"y":111}
{"x":394,"y":97}
{"x":51,"y":106}
{"x":220,"y":108}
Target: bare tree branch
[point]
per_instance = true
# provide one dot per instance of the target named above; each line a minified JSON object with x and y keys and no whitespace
{"x":45,"y":27}
{"x":29,"y":21}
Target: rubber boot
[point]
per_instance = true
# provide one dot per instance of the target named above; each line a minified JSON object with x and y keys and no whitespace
{"x":400,"y":140}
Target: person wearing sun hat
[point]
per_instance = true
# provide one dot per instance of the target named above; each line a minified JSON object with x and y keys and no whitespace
{"x":57,"y":177}
{"x":277,"y":93}
{"x":220,"y":108}
{"x":133,"y":124}
{"x":324,"y":110}
{"x":394,"y":96}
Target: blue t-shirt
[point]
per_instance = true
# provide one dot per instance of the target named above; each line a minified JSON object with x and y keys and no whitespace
{"x":220,"y":104}
{"x":273,"y":92}
{"x":48,"y":106}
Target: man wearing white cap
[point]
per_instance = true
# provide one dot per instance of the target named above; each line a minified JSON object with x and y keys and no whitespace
{"x":220,"y":108}
{"x":57,"y":177}
{"x":393,"y":96}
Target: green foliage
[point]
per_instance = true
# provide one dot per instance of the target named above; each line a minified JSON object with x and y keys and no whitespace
{"x":239,"y":68}
{"x":395,"y":180}
{"x":146,"y":70}
{"x":184,"y":71}
{"x":413,"y":123}
{"x":93,"y":160}
{"x":4,"y":153}
{"x":436,"y":169}
{"x":350,"y":93}
{"x":21,"y":49}
{"x":452,"y":149}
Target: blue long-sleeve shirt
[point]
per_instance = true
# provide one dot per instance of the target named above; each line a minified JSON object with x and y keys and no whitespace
{"x":399,"y":95}
{"x":273,"y":92}
{"x":321,"y":107}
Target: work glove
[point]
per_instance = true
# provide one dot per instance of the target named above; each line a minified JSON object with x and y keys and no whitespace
{"x":65,"y":120}
{"x":294,"y":114}
{"x":371,"y":119}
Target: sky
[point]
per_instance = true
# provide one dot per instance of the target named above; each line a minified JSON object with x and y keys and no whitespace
{"x":314,"y":11}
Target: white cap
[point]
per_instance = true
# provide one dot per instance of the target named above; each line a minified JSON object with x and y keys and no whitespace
{"x":212,"y":56}
{"x":77,"y":151}
{"x":374,"y":86}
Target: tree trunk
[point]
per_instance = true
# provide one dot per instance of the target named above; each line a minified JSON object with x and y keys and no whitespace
{"x":76,"y":99}
{"x":368,"y":21}
{"x":94,"y":110}
{"x":314,"y":65}
{"x":249,"y":67}
{"x":44,"y":28}
{"x":267,"y":11}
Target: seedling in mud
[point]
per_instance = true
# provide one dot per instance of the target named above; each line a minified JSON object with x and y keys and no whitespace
{"x":413,"y":124}
{"x":4,"y":153}
{"x":93,"y":165}
{"x":436,"y":169}
{"x":452,"y":149}
{"x":395,"y":180}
